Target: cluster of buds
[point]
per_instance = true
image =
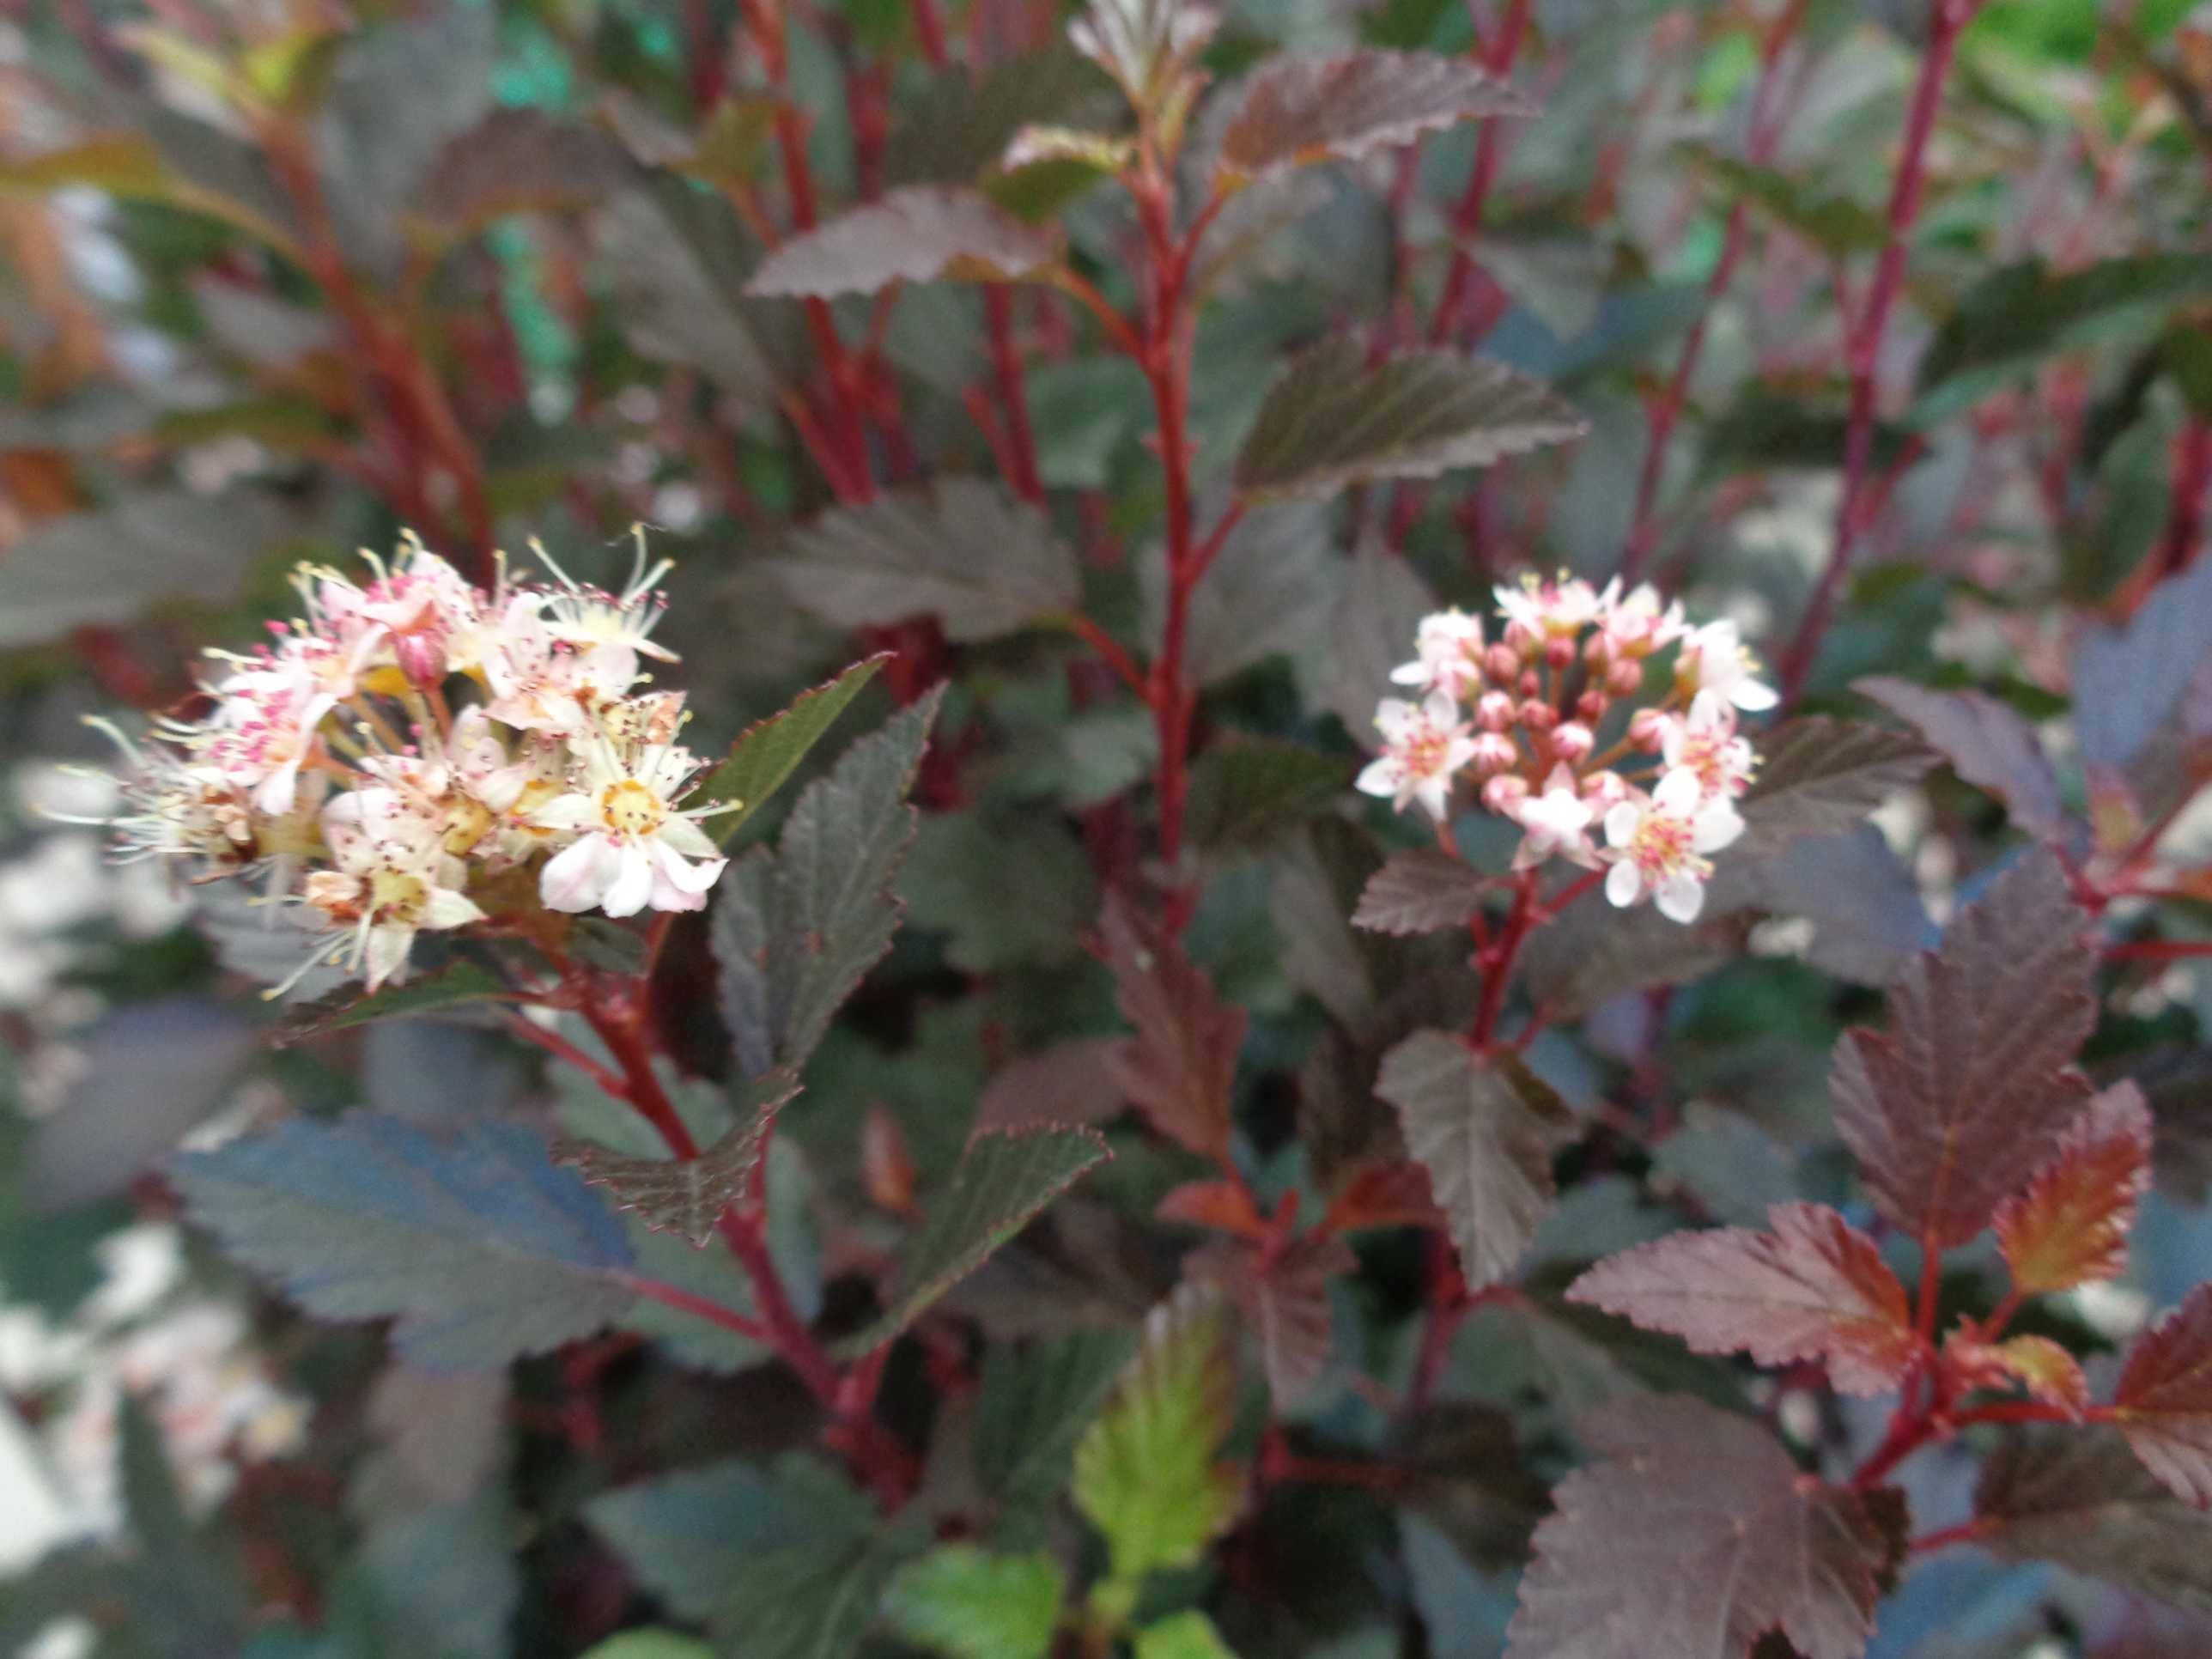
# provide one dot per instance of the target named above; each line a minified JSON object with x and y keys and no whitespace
{"x":417,"y":752}
{"x":1521,"y":718}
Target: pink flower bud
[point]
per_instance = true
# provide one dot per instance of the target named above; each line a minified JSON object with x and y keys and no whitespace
{"x":1493,"y":711}
{"x":1605,"y":789}
{"x":1624,"y":679}
{"x":1648,"y":728}
{"x":1598,"y":653}
{"x":421,"y":657}
{"x":1590,"y":707}
{"x":1573,"y":742}
{"x":1537,"y":715}
{"x":1521,"y":638}
{"x":1503,"y":793}
{"x":1501,"y":662}
{"x":1530,"y":685}
{"x":1493,"y":753}
{"x":1559,"y":651}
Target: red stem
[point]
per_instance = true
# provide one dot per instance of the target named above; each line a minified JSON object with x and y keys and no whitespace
{"x":699,"y":1307}
{"x":1964,"y":1533}
{"x":1466,"y":217}
{"x":1013,"y":393}
{"x":2158,"y":949}
{"x":1497,"y":961}
{"x":1862,"y":346}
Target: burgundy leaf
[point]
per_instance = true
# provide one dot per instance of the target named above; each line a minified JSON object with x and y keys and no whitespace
{"x":914,"y":235}
{"x":1692,"y":1537}
{"x":2070,"y":1225}
{"x":2073,"y":1496}
{"x":2164,"y":1401}
{"x":1297,"y":110}
{"x":1813,"y":1288}
{"x":1987,"y":743}
{"x":1952,"y":1108}
{"x":1485,"y":1127}
{"x":1070,"y":1082}
{"x":1420,"y":892}
{"x":1180,"y":1067}
{"x":1819,"y":777}
{"x":1284,"y":1300}
{"x":1225,"y":1206}
{"x":2036,"y":1363}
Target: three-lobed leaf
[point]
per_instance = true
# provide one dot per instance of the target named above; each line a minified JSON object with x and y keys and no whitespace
{"x":1814,"y":1287}
{"x":1298,"y":110}
{"x":1332,"y":419}
{"x":2070,"y":1225}
{"x":686,"y":1196}
{"x":765,"y":755}
{"x":918,"y":234}
{"x":1951,"y":1109}
{"x":1181,"y":1067}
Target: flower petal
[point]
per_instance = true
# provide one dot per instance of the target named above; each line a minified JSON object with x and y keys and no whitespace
{"x":1624,"y":884}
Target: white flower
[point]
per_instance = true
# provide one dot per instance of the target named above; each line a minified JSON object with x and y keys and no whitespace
{"x":1555,"y":824}
{"x":1639,"y":624}
{"x":586,"y":617}
{"x":1713,"y":659}
{"x":1658,"y":845}
{"x":539,"y":683}
{"x":1549,"y":611}
{"x":633,"y":843}
{"x":1451,"y":647}
{"x":1424,"y":747}
{"x":1706,"y":745}
{"x":392,"y":877}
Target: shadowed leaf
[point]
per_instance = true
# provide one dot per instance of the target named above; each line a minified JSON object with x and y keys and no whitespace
{"x":1813,"y":1288}
{"x":1819,"y":777}
{"x":1181,"y":1067}
{"x":2074,"y":1498}
{"x":1283,"y":1299}
{"x":1299,"y":110}
{"x":766,"y":754}
{"x":1246,"y":793}
{"x":2139,"y":673}
{"x":686,"y":1195}
{"x":452,"y":986}
{"x":2163,"y":1402}
{"x":1987,"y":743}
{"x":1951,"y":1109}
{"x":918,"y":234}
{"x":1033,"y":1406}
{"x":2070,"y":1225}
{"x":1485,"y":1127}
{"x":516,"y":161}
{"x":1331,"y":420}
{"x":1423,"y":892}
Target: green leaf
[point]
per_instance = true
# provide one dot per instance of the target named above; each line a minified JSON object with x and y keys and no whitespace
{"x":1332,"y":420}
{"x":1485,"y":1127}
{"x":917,"y":234}
{"x":1002,"y":1182}
{"x":1835,"y":224}
{"x":795,"y":930}
{"x":449,"y":987}
{"x":1186,"y":1636}
{"x":966,"y":1603}
{"x":2020,"y":313}
{"x":1244,"y":795}
{"x":963,"y":552}
{"x":195,"y":1596}
{"x":1034,"y":1405}
{"x":784,"y":1562}
{"x":476,"y":1243}
{"x":1007,"y":889}
{"x":651,"y":1645}
{"x":1295,"y":111}
{"x":766,"y":754}
{"x":686,"y":1196}
{"x":1148,"y":1473}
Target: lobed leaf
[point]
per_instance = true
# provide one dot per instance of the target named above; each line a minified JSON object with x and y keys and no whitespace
{"x":1987,"y":743}
{"x":2163,"y":1402}
{"x":795,"y":930}
{"x":766,"y":754}
{"x":1148,"y":1473}
{"x":1815,"y":1287}
{"x":965,"y":1602}
{"x":963,"y":552}
{"x":2074,"y":1498}
{"x":1331,"y":419}
{"x":2069,"y":1226}
{"x":475,"y":1245}
{"x":454,"y":986}
{"x":1485,"y":1127}
{"x":1693,"y":1537}
{"x":1181,"y":1067}
{"x":918,"y":234}
{"x":1424,"y":892}
{"x":1002,"y":1181}
{"x":1968,"y":1093}
{"x":686,"y":1196}
{"x":1295,"y":111}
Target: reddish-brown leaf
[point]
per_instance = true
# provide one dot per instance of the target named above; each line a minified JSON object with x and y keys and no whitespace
{"x":688,"y":1195}
{"x":1225,"y":1206}
{"x":1419,"y":892}
{"x":2070,"y":1225}
{"x":1283,"y":1301}
{"x":1180,"y":1067}
{"x":886,"y":1167}
{"x":915,"y":235}
{"x":1390,"y":1193}
{"x":2036,"y":1363}
{"x":2164,"y":1401}
{"x":1298,"y":110}
{"x":2072,"y":1496}
{"x":1692,"y":1537}
{"x":1068,"y":1083}
{"x":1951,"y":1109}
{"x":1813,"y":1288}
{"x":1987,"y":743}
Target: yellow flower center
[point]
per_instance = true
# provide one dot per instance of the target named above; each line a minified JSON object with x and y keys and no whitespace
{"x":397,"y":893}
{"x":630,"y":808}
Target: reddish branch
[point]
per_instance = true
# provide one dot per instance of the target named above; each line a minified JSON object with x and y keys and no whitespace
{"x":1864,"y":337}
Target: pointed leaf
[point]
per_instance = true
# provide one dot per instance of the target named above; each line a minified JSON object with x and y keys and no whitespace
{"x":1813,"y":1288}
{"x":918,"y":234}
{"x":1002,"y":1182}
{"x":517,"y":160}
{"x":2163,"y":1403}
{"x":1181,"y":1067}
{"x":1987,"y":743}
{"x":686,"y":1196}
{"x":2070,"y":1225}
{"x":1819,"y":777}
{"x":1032,"y":1408}
{"x":477,"y":1244}
{"x":1485,"y":1127}
{"x":1148,"y":1473}
{"x":1383,"y":603}
{"x":1950,"y":1110}
{"x":1694,"y":1536}
{"x":1300,"y":110}
{"x":1284,"y":1298}
{"x":461,"y":983}
{"x":1187,"y":1635}
{"x":1331,"y":420}
{"x":2140,"y":672}
{"x":966,"y":1603}
{"x":1423,"y":892}
{"x":963,"y":552}
{"x":795,"y":930}
{"x":2074,"y":1498}
{"x":2036,"y":1363}
{"x":766,"y":754}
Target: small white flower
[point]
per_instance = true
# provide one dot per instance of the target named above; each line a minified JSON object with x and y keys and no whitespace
{"x":634,"y":846}
{"x":1424,"y":747}
{"x":1555,"y":824}
{"x":1658,"y":844}
{"x":1549,"y":611}
{"x":1706,"y":745}
{"x":1713,"y":659}
{"x":1640,"y":623}
{"x":586,"y":617}
{"x":1450,"y":660}
{"x":392,"y":878}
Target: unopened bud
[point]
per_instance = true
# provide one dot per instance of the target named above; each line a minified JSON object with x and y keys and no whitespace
{"x":1648,"y":729}
{"x":1605,"y":789}
{"x":1598,"y":653}
{"x":421,"y":657}
{"x":1503,"y":793}
{"x":1493,"y":711}
{"x":1521,"y":638}
{"x":1559,"y":651}
{"x":1573,"y":742}
{"x":1501,"y":662}
{"x":1624,"y":679}
{"x":1493,"y":753}
{"x":1530,"y":685}
{"x":1590,"y":707}
{"x":1537,"y":715}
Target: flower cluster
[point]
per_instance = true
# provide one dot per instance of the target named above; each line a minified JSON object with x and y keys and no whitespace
{"x":1523,"y":715}
{"x":390,"y":760}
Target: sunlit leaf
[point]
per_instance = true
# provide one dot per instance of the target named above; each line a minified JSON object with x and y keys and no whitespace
{"x":964,"y":1602}
{"x":2070,"y":1225}
{"x":1297,"y":110}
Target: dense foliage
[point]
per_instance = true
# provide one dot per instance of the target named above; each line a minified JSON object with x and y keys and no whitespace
{"x":1409,"y":856}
